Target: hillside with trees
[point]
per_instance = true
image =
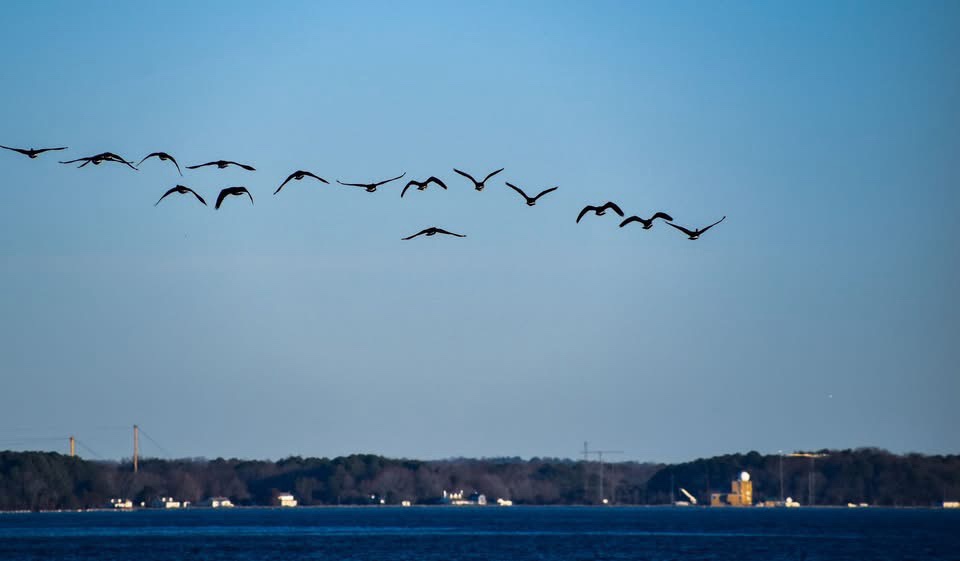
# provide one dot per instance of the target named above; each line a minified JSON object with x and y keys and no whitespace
{"x":46,"y":481}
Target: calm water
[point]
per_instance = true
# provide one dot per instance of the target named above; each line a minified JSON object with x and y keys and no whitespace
{"x":385,"y":534}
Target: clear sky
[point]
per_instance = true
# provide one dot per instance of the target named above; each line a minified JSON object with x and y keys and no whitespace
{"x":822,"y":313}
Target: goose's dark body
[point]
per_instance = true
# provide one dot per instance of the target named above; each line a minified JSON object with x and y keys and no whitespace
{"x":31,"y":153}
{"x":183,"y":190}
{"x":478,"y":185}
{"x":222,"y":164}
{"x":421,"y":185}
{"x":531,"y":201}
{"x":599,"y":210}
{"x":236,"y":191}
{"x":297,"y":176}
{"x":100,"y":158}
{"x":163,"y":157}
{"x":647,"y":222}
{"x":696,"y":233}
{"x":372,"y":187}
{"x":432,"y":232}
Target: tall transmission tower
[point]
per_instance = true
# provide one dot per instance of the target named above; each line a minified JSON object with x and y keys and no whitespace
{"x":136,"y":447}
{"x":586,"y":458}
{"x":812,"y":477}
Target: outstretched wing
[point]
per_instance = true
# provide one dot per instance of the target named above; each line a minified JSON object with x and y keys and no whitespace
{"x":517,"y":189}
{"x":631,"y":219}
{"x":285,"y":181}
{"x":20,"y":150}
{"x":389,"y":180}
{"x":174,"y":160}
{"x":317,"y":177}
{"x":147,"y":157}
{"x":436,"y":180}
{"x":442,"y":231}
{"x":202,"y":165}
{"x":467,"y":175}
{"x":244,"y":190}
{"x":415,"y":235}
{"x":171,"y":190}
{"x":223,"y":195}
{"x":663,"y":215}
{"x":491,"y":174}
{"x":407,"y":186}
{"x":585,"y":210}
{"x":712,"y":225}
{"x":50,"y":149}
{"x":352,"y":184}
{"x":199,"y":198}
{"x":614,"y":208}
{"x":681,"y":228}
{"x":244,"y":166}
{"x":545,"y":191}
{"x":73,"y":161}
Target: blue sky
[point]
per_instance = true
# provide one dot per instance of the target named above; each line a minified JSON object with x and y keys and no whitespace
{"x":821,"y":313}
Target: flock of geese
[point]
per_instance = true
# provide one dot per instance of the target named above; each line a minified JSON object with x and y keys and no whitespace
{"x":298,"y":175}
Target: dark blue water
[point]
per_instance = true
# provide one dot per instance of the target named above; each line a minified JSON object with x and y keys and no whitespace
{"x":444,"y":533}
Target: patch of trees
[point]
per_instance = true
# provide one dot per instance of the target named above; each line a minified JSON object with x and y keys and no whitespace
{"x":44,"y":481}
{"x":863,"y":475}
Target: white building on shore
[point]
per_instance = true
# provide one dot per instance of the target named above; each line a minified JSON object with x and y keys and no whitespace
{"x":286,"y":500}
{"x":216,"y":502}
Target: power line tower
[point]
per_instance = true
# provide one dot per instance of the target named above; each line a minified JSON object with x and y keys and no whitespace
{"x":812,"y":477}
{"x":586,"y":456}
{"x":136,"y":447}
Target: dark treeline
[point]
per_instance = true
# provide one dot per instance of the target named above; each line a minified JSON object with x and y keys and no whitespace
{"x":43,"y":480}
{"x":865,"y":475}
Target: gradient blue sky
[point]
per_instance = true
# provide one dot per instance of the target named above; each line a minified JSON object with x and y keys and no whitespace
{"x":827,"y":132}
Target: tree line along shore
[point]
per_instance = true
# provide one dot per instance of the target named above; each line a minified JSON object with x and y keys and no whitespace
{"x":52,"y":481}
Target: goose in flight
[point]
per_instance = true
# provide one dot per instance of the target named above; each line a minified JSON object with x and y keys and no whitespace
{"x":648,"y":222}
{"x":31,"y":152}
{"x":232,"y":191}
{"x":694,"y":234}
{"x":99,"y":158}
{"x":223,"y":164}
{"x":183,"y":190}
{"x":531,"y":201}
{"x":421,"y":185}
{"x":432,"y":232}
{"x":297,"y":176}
{"x":478,"y":185}
{"x":371,"y":187}
{"x":163,"y":157}
{"x":599,"y":210}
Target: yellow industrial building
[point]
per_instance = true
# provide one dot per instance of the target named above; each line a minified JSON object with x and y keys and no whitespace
{"x":741,"y":493}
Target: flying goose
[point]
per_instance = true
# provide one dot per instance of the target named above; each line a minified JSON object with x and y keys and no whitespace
{"x":599,"y":210}
{"x":99,"y":158}
{"x":31,"y":152}
{"x":697,"y":232}
{"x":297,"y":176}
{"x":531,"y":201}
{"x":421,"y":185}
{"x":371,"y":187}
{"x":232,"y":191}
{"x":478,"y":185}
{"x":432,"y":232}
{"x":223,"y":164}
{"x":163,"y":157}
{"x":647,"y":223}
{"x":183,"y":190}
